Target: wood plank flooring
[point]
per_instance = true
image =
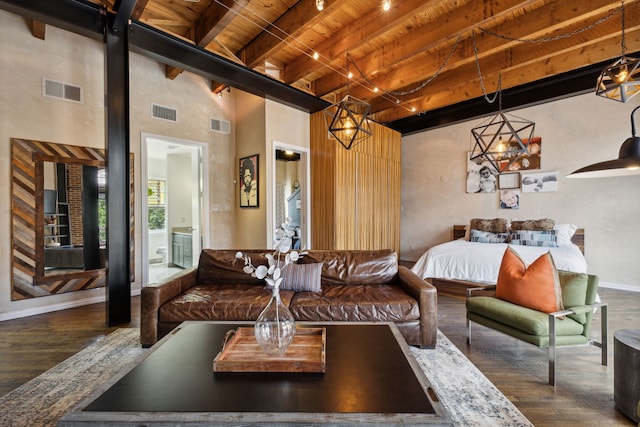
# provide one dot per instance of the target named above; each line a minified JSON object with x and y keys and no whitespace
{"x":583,"y":396}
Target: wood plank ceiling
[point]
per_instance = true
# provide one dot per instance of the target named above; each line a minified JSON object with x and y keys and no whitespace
{"x":421,"y":55}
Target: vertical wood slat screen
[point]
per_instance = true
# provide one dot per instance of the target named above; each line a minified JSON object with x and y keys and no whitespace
{"x":355,"y":193}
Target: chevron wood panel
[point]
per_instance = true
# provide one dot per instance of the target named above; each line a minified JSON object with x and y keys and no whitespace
{"x":28,"y":279}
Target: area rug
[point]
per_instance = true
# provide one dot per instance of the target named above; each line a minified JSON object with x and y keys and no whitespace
{"x":469,"y":397}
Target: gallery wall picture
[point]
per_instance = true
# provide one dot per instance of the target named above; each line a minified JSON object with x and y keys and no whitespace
{"x":249,"y":181}
{"x":481,"y":176}
{"x":523,"y":162}
{"x":508,"y":181}
{"x":509,"y":199}
{"x":539,"y":182}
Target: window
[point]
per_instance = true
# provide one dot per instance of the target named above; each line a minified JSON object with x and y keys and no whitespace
{"x":156,"y":203}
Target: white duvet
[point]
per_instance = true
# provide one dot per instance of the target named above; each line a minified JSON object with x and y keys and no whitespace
{"x":480,"y":262}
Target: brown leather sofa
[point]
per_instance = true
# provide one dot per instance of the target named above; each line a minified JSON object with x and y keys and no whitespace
{"x":356,"y":286}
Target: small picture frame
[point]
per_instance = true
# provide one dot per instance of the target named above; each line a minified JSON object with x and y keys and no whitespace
{"x":509,"y":199}
{"x":508,"y":181}
{"x":248,"y":168}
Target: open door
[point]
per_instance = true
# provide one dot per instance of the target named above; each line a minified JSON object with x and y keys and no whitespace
{"x":173,"y":221}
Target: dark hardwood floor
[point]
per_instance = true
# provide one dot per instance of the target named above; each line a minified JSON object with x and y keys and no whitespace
{"x":583,"y":396}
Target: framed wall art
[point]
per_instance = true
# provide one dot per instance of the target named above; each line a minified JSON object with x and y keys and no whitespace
{"x":539,"y":182}
{"x":507,"y":181}
{"x":249,"y":181}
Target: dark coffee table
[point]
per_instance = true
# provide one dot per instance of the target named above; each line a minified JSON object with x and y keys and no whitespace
{"x":371,"y":378}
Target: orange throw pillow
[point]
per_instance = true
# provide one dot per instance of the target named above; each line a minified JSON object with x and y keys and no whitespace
{"x":536,"y":287}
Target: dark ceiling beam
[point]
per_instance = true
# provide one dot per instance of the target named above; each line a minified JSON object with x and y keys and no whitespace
{"x":561,"y":86}
{"x":76,"y":16}
{"x":123,"y":9}
{"x":170,"y":50}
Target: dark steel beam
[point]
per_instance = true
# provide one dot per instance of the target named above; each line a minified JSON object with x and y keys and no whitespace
{"x":563,"y":85}
{"x":170,"y":50}
{"x":124,"y":9}
{"x":118,"y":204}
{"x":76,"y":16}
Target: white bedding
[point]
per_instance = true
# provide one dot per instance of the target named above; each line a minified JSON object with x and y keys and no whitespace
{"x":480,"y":262}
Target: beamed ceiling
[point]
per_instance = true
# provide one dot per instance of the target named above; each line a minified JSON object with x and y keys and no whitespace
{"x":421,"y":55}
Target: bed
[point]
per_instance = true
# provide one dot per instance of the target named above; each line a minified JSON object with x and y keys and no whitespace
{"x":454,"y":266}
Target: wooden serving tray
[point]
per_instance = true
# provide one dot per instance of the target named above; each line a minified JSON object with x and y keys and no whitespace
{"x":241,"y":353}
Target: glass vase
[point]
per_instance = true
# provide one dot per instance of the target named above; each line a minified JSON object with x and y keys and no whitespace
{"x":275,"y":326}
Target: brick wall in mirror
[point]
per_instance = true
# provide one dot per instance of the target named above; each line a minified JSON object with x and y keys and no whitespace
{"x":58,"y":208}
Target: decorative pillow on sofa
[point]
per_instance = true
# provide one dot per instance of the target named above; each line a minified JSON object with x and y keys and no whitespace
{"x":496,"y":225}
{"x":487,"y":237}
{"x":533,"y":224}
{"x":546,"y":238}
{"x":536,"y":287}
{"x":302,"y":277}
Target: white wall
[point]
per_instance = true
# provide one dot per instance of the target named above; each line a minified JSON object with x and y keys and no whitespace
{"x":25,"y":113}
{"x":575,"y":132}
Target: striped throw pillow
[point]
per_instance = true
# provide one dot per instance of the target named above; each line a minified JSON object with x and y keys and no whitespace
{"x":302,"y":277}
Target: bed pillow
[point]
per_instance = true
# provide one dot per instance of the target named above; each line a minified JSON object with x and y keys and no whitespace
{"x":533,"y":224}
{"x":543,"y":238}
{"x":487,"y":237}
{"x":302,"y":277}
{"x":536,"y":287}
{"x":496,"y":225}
{"x":565,"y":232}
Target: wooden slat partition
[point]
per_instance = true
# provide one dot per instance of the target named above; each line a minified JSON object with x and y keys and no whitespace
{"x":355,"y":193}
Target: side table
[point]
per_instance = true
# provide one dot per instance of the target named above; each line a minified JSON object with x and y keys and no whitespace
{"x":626,"y":372}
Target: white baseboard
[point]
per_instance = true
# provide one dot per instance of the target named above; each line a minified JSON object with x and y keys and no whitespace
{"x":27,"y":312}
{"x":619,"y":286}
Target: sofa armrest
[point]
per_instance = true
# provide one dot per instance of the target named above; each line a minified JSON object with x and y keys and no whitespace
{"x":154,"y":296}
{"x":427,"y":297}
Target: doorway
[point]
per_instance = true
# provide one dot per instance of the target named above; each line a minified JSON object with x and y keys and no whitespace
{"x":291,"y":191}
{"x":174,"y":227}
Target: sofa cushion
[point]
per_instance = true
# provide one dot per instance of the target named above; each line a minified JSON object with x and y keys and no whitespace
{"x":532,"y":322}
{"x":574,"y":291}
{"x":386,"y":303}
{"x":536,"y":286}
{"x":222,"y":266}
{"x":302,"y":277}
{"x":355,"y":267}
{"x":219,"y":302}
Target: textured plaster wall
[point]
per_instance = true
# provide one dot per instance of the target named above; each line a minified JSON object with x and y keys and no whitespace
{"x":575,"y":132}
{"x":25,"y":113}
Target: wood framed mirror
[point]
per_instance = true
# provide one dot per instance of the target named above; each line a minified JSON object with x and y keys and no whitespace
{"x":58,"y":218}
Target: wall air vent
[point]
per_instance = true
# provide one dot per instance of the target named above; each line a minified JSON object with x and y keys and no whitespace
{"x":220,"y":126}
{"x":164,"y":113}
{"x":60,"y":90}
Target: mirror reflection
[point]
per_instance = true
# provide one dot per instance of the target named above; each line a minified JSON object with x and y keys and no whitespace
{"x":74,"y":217}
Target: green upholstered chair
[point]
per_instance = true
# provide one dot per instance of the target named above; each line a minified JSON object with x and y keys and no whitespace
{"x":568,"y":327}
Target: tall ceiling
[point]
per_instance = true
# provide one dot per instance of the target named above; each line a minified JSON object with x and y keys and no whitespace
{"x":421,"y":55}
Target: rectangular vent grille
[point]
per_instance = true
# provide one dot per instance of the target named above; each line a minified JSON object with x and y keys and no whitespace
{"x":164,"y":113}
{"x":60,"y":90}
{"x":220,"y":126}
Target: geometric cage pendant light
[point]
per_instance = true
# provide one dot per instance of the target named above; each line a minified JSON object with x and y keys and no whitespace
{"x":348,"y":121}
{"x":620,"y":81}
{"x":502,"y":141}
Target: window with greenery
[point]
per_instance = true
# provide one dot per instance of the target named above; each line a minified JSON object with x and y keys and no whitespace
{"x":156,"y":203}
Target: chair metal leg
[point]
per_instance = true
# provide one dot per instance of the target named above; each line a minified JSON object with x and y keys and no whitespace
{"x":468,"y":331}
{"x":552,"y":350}
{"x":603,"y":332}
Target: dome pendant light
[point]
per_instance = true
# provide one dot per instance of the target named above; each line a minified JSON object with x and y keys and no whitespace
{"x":627,"y":163}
